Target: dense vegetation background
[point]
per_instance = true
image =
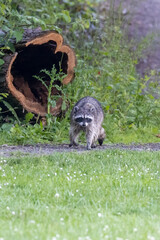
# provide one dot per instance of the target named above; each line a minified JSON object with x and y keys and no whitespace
{"x":106,"y":69}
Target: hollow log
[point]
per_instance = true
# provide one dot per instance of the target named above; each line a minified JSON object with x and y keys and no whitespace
{"x":37,"y":50}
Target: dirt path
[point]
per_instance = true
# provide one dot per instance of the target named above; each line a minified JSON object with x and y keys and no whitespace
{"x":46,"y":149}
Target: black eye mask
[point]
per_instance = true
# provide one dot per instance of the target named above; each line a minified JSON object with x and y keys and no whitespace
{"x":80,"y":119}
{"x":88,"y":120}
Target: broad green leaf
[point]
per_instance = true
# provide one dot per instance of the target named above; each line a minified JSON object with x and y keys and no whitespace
{"x":4,"y":94}
{"x":2,"y":8}
{"x":58,"y":87}
{"x":52,"y":102}
{"x":18,"y":35}
{"x":86,"y":24}
{"x":11,"y":109}
{"x":1,"y":62}
{"x":29,"y":116}
{"x":107,"y":107}
{"x":65,"y":15}
{"x":11,"y":47}
{"x":6,"y":126}
{"x":64,"y":106}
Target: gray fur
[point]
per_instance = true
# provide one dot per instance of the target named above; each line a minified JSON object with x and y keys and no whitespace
{"x":87,"y":115}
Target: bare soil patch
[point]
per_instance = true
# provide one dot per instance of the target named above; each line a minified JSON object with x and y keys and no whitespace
{"x":47,"y":149}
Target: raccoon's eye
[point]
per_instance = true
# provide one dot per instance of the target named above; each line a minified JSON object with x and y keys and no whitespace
{"x":91,"y":109}
{"x":80,"y":119}
{"x":88,"y":120}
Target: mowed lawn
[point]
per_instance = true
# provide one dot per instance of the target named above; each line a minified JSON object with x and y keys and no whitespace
{"x":112,"y":194}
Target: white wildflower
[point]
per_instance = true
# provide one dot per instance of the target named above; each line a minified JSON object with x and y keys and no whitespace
{"x":105,"y":227}
{"x":99,"y":214}
{"x":150,"y":237}
{"x":57,"y":195}
{"x":32,"y":221}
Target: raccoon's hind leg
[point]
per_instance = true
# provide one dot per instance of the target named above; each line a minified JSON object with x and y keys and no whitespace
{"x":101,"y":136}
{"x":74,"y":132}
{"x":95,"y":137}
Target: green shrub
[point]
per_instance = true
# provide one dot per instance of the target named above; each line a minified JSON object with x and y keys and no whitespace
{"x":106,"y":67}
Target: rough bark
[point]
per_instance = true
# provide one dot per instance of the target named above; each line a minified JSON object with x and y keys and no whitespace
{"x":37,"y":50}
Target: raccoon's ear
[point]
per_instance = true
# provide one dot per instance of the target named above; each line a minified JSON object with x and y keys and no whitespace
{"x":76,"y":109}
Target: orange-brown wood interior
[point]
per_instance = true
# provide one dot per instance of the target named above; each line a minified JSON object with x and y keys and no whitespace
{"x":40,"y":53}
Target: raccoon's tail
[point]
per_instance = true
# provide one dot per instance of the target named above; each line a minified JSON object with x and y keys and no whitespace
{"x":101,"y":136}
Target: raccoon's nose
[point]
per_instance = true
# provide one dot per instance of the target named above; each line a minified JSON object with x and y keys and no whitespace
{"x":84,"y":124}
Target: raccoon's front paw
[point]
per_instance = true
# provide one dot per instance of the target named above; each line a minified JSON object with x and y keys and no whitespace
{"x":73,"y":144}
{"x":93,"y":146}
{"x":88,"y":147}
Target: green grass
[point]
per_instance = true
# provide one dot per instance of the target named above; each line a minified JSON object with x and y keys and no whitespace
{"x":129,"y":136}
{"x":59,"y":133}
{"x":35,"y":134}
{"x":111,"y":194}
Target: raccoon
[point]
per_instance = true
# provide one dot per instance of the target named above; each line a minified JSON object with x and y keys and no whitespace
{"x":87,"y":115}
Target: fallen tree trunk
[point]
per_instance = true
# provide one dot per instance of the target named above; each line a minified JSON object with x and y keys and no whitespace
{"x":38,"y":50}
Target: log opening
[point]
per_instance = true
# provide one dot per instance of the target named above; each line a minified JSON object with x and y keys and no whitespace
{"x":30,"y":59}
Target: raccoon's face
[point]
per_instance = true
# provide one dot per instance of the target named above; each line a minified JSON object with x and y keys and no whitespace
{"x":83,"y":120}
{"x":83,"y":117}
